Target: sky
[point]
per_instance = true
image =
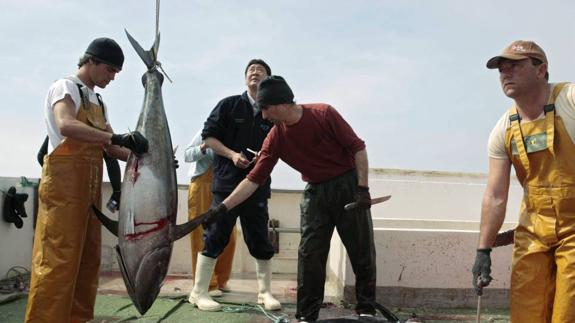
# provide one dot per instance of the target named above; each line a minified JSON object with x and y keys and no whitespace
{"x":409,"y":76}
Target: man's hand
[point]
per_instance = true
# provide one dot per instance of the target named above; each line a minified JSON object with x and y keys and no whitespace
{"x":212,"y":215}
{"x":240,"y":160}
{"x":482,"y":270}
{"x":363,"y":198}
{"x":134,"y":141}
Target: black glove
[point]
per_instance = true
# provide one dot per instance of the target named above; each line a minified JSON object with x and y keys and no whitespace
{"x":133,"y":141}
{"x":43,"y":151}
{"x":362,"y":197}
{"x":212,"y":215}
{"x":482,"y":270}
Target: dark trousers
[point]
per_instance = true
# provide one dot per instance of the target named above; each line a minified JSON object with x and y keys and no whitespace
{"x":253,"y":214}
{"x":322,"y":211}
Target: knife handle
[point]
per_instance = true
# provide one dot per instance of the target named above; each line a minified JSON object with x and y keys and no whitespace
{"x":350,"y":206}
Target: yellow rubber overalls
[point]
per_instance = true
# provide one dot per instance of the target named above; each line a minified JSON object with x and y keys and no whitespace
{"x":543,"y":267}
{"x":199,"y":201}
{"x":67,"y":240}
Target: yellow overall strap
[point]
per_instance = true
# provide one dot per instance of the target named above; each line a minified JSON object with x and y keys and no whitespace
{"x":518,"y":137}
{"x":550,"y":117}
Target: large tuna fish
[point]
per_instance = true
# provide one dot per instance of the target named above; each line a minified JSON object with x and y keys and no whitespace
{"x":146,"y":226}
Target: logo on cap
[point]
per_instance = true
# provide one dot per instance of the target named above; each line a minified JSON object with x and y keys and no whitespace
{"x":518,"y":48}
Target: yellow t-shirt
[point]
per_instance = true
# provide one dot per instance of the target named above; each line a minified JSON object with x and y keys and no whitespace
{"x":564,"y":107}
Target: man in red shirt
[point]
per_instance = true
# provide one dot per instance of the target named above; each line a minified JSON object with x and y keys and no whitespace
{"x":316,"y":141}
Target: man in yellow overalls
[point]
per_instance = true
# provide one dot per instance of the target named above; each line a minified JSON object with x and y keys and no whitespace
{"x":199,"y":201}
{"x":536,"y":136}
{"x":66,"y":254}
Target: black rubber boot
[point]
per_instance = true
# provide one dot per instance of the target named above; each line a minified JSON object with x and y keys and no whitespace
{"x":9,"y":213}
{"x":19,"y":200}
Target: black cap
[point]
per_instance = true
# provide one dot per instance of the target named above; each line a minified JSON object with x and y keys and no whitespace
{"x":107,"y":51}
{"x":274,"y":90}
{"x":259,"y":62}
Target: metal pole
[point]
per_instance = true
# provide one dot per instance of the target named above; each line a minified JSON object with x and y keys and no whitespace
{"x":479,"y":309}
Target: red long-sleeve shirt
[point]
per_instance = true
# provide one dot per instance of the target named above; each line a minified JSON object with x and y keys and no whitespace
{"x":321,"y":146}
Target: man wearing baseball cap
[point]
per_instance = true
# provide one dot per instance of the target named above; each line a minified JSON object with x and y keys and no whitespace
{"x":67,"y":240}
{"x":536,"y":136}
{"x":315,"y":140}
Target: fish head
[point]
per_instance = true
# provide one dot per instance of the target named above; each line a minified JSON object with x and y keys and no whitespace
{"x":145,"y":280}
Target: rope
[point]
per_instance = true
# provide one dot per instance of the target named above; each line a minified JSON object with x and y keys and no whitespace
{"x":25,"y":182}
{"x":19,"y":281}
{"x":282,"y":318}
{"x":164,"y":72}
{"x":158,"y":64}
{"x":157,"y":18}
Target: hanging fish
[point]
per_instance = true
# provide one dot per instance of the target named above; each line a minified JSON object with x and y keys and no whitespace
{"x":146,"y":226}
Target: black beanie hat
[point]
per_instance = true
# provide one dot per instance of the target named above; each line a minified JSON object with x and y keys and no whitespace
{"x":107,"y":51}
{"x":273,"y":90}
{"x":259,"y":62}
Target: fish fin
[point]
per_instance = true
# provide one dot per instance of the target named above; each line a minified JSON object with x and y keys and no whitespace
{"x":110,"y":224}
{"x":148,"y":56}
{"x":181,"y":230}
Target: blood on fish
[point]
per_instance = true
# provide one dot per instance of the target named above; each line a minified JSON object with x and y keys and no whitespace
{"x":159,"y":225}
{"x":134,"y":171}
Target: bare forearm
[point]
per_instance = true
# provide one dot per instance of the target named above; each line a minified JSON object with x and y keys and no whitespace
{"x":77,"y":130}
{"x":494,"y":201}
{"x":118,"y":152}
{"x":362,"y":167}
{"x":492,"y":217}
{"x":241,"y":193}
{"x":219,"y":148}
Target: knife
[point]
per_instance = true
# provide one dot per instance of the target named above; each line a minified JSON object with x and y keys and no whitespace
{"x":353,"y":205}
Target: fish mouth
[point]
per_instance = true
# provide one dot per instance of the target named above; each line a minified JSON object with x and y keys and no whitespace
{"x":145,"y":283}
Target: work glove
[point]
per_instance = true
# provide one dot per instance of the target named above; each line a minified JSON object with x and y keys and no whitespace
{"x":213,"y":214}
{"x":362,"y":198}
{"x":43,"y":151}
{"x":134,"y":141}
{"x":482,"y":270}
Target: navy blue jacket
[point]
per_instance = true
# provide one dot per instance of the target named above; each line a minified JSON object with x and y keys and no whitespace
{"x":233,"y":123}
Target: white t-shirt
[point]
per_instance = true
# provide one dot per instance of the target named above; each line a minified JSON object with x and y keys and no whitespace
{"x":564,"y":107}
{"x":57,"y":92}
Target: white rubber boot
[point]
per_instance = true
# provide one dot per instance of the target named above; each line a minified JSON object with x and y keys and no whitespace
{"x":264,"y":275}
{"x":215,"y":293}
{"x":199,"y":295}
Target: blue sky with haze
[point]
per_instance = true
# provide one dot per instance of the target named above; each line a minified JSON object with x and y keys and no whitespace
{"x":409,"y":76}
